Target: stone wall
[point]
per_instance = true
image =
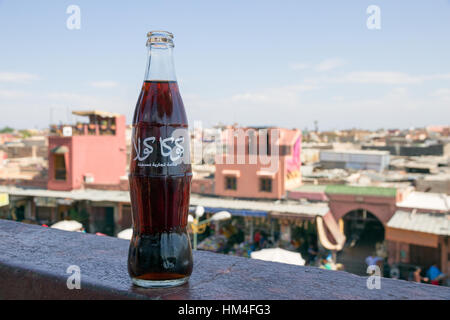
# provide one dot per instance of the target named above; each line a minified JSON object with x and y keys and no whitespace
{"x":34,"y":262}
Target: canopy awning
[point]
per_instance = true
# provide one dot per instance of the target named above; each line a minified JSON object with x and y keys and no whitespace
{"x":235,"y":212}
{"x":418,"y":228}
{"x":60,"y":150}
{"x":246,"y":207}
{"x":327,"y":223}
{"x":103,"y":114}
{"x":290,"y":215}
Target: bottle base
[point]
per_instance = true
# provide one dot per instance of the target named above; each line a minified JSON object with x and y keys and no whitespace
{"x":159,"y":283}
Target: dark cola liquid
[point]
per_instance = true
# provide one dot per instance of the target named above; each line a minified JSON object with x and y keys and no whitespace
{"x":160,"y":184}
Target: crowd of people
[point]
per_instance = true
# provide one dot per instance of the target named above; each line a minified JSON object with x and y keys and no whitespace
{"x":432,"y":276}
{"x":415,"y":274}
{"x":233,"y":238}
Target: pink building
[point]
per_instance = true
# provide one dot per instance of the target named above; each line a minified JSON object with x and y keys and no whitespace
{"x":242,"y":172}
{"x":93,"y":152}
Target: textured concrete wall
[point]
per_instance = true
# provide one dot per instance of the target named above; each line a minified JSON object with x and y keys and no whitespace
{"x":34,"y":260}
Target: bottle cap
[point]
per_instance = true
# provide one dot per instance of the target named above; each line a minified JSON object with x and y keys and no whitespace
{"x":159,"y":36}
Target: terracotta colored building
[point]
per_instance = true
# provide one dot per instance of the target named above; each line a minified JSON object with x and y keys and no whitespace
{"x":415,"y":226}
{"x":418,"y":233}
{"x":243,"y":171}
{"x":93,"y":152}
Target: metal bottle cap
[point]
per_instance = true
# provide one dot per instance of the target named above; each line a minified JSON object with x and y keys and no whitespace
{"x":159,"y":36}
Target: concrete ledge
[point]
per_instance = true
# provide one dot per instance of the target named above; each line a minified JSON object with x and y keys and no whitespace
{"x":34,"y":260}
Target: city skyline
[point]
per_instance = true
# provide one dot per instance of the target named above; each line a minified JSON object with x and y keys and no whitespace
{"x":254,"y":63}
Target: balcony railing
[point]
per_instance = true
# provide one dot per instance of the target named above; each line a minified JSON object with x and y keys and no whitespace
{"x":82,"y":129}
{"x":38,"y":263}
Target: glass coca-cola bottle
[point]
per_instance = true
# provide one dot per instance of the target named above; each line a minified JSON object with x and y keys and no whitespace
{"x":160,"y":175}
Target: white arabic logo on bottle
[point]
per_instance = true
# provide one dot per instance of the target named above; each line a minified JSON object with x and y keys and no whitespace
{"x":169,"y":147}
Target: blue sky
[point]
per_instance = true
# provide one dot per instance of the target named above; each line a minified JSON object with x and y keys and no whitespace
{"x":254,"y":62}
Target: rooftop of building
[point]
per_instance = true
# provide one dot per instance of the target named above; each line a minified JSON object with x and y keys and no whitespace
{"x":99,"y":123}
{"x":426,"y":201}
{"x":287,"y":136}
{"x":102,"y":114}
{"x":350,"y":190}
{"x":420,"y":160}
{"x":317,"y":145}
{"x":426,"y":222}
{"x":311,"y":188}
{"x":437,"y":177}
{"x":80,"y":194}
{"x":357,"y":151}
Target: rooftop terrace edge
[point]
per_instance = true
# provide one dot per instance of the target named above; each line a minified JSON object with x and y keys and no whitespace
{"x":34,"y":262}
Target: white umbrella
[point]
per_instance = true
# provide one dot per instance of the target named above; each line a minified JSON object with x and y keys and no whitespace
{"x":199,"y":211}
{"x":278,"y":255}
{"x":68,"y":225}
{"x":222,"y":215}
{"x":125,"y":234}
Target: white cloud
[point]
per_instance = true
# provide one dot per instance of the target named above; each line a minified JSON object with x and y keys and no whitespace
{"x":444,"y":76}
{"x":12,"y":94}
{"x":399,"y":92}
{"x":104,"y":84}
{"x":269,"y":106}
{"x":396,"y":105}
{"x":73,"y":98}
{"x":376,"y":77}
{"x":44,"y":107}
{"x":286,"y":94}
{"x":443,"y":94}
{"x":250,"y":97}
{"x":18,"y":77}
{"x":298,"y":66}
{"x":84,"y":101}
{"x":396,"y":108}
{"x":330,"y":64}
{"x":338,"y":98}
{"x":325,"y":65}
{"x":380,"y":77}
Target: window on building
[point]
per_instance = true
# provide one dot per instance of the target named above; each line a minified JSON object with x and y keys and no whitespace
{"x":60,"y":167}
{"x":285,"y":150}
{"x":230,"y":183}
{"x":265,"y":184}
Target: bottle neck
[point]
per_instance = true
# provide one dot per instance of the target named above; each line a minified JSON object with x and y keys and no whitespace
{"x":160,"y":66}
